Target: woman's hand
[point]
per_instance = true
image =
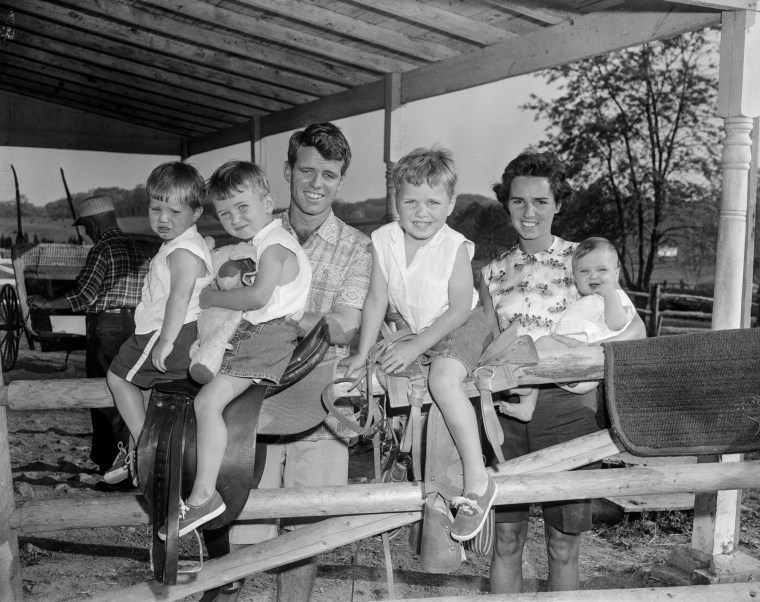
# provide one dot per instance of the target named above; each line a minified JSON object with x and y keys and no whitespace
{"x":398,"y":356}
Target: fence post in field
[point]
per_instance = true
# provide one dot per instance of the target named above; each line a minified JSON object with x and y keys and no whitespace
{"x":654,"y":308}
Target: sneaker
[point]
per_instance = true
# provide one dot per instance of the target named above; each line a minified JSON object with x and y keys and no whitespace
{"x":192,"y":517}
{"x":472,"y":512}
{"x":121,"y":466}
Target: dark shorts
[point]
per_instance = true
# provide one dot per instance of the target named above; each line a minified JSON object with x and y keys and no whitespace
{"x":465,"y":344}
{"x":559,"y":417}
{"x":261,"y":350}
{"x":133,"y":363}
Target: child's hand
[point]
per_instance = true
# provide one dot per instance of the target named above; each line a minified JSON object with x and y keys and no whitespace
{"x":353,"y":363}
{"x":204,"y":298}
{"x":398,"y":356}
{"x":605,"y":289}
{"x":569,"y":341}
{"x":160,"y":352}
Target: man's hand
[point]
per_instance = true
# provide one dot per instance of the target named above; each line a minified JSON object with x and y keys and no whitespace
{"x":37,"y":301}
{"x":160,"y":352}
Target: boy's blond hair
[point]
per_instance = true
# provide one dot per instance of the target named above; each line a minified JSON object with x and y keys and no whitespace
{"x":176,"y":180}
{"x":432,"y":166}
{"x":234,"y":177}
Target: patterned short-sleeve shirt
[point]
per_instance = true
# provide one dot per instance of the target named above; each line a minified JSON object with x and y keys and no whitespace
{"x":532,"y":290}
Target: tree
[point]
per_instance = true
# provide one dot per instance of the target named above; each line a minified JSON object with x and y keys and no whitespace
{"x":638,"y":129}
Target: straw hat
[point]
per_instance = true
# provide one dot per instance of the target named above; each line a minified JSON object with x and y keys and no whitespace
{"x":93,"y":205}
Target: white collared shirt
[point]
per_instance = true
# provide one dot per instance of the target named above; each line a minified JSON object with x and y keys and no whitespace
{"x":419,"y":292}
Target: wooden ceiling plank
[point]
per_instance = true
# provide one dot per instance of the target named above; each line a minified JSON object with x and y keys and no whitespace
{"x":91,"y":16}
{"x":593,"y":34}
{"x":431,"y":17}
{"x":722,"y":4}
{"x":532,"y":11}
{"x":282,"y":36}
{"x":193,"y":103}
{"x":355,"y":28}
{"x":119,"y":105}
{"x":362,"y":99}
{"x":35,"y":90}
{"x":132,"y":60}
{"x":172,"y":108}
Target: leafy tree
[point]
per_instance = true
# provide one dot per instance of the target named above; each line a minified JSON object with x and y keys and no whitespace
{"x":638,"y":128}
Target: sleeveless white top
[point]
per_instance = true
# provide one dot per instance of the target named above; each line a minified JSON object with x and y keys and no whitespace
{"x":149,"y":315}
{"x":288,"y":300}
{"x":419,"y":292}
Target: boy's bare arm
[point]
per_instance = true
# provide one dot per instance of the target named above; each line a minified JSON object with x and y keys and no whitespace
{"x":184,"y":267}
{"x":373,"y":313}
{"x":271,"y":265}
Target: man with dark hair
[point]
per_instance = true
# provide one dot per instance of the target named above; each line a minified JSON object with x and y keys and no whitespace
{"x":340,"y":257}
{"x":108,"y":289}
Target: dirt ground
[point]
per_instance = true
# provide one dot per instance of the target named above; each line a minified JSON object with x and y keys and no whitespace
{"x":49,"y":455}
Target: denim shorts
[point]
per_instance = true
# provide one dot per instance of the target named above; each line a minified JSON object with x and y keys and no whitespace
{"x":465,"y":344}
{"x":560,"y":416}
{"x":261,"y":351}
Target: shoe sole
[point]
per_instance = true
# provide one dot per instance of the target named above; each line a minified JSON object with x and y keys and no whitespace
{"x":462,"y":539}
{"x":198,"y":522}
{"x":114,"y":477}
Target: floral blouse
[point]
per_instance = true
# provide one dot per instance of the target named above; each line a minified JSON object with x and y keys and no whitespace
{"x":532,"y":290}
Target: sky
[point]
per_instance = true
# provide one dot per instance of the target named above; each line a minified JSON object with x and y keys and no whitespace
{"x":483,"y":126}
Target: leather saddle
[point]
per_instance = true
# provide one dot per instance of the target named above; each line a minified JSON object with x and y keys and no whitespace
{"x":166,"y":449}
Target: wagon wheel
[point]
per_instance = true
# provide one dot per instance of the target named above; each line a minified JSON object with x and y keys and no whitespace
{"x":10,"y":326}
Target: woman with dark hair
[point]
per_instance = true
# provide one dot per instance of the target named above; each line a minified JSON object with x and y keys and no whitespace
{"x":531,"y":285}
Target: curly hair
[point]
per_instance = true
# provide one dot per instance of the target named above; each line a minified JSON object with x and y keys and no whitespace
{"x":326,"y":138}
{"x":536,"y":165}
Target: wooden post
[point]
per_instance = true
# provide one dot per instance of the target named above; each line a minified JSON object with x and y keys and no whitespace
{"x":256,"y":144}
{"x":716,"y":514}
{"x":654,"y":309}
{"x":392,"y":140}
{"x":10,"y":567}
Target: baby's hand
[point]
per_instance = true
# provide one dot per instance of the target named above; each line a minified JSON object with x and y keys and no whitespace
{"x":160,"y":352}
{"x":398,"y":356}
{"x":605,"y":289}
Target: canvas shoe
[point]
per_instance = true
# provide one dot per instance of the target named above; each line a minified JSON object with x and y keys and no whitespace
{"x":121,"y":467}
{"x":472,"y":512}
{"x":192,"y":517}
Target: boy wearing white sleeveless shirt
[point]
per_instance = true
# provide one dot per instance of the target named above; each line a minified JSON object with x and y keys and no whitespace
{"x":165,"y":318}
{"x":421,"y":268}
{"x":262,"y":346}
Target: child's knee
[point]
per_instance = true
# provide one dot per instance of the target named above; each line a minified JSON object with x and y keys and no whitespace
{"x":446,"y":376}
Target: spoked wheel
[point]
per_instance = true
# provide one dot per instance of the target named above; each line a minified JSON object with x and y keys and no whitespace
{"x":10,"y":326}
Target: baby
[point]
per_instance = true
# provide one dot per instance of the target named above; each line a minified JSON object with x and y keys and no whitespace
{"x":603,"y":310}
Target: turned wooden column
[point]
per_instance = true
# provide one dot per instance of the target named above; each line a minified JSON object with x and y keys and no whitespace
{"x":716,"y":514}
{"x":392,"y":140}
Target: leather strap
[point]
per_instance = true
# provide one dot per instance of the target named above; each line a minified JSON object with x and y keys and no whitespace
{"x":494,"y":432}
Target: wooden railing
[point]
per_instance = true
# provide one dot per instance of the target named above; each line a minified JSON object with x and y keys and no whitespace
{"x":662,"y":321}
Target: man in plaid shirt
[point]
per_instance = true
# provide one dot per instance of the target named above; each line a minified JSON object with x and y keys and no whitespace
{"x":107,"y":289}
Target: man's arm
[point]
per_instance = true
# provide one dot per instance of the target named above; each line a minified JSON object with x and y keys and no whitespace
{"x":88,"y":284}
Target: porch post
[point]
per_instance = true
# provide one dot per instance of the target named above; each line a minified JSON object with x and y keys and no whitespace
{"x":256,"y":146}
{"x":392,"y":140}
{"x":716,"y":514}
{"x":10,"y":566}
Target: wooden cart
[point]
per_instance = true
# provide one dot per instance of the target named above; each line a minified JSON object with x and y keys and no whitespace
{"x":47,"y":269}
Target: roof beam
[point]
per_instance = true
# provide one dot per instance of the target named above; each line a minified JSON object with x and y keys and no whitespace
{"x":116,"y":55}
{"x":354,"y":28}
{"x":530,"y":10}
{"x":300,"y":40}
{"x":430,"y":16}
{"x":722,"y":4}
{"x":584,"y":37}
{"x":159,"y":35}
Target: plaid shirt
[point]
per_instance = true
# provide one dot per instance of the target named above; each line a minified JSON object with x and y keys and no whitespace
{"x":341,"y":263}
{"x":112,"y":276}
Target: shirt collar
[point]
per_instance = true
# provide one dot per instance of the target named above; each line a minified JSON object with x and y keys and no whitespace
{"x":329,"y":231}
{"x":264,"y":231}
{"x":397,"y":235}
